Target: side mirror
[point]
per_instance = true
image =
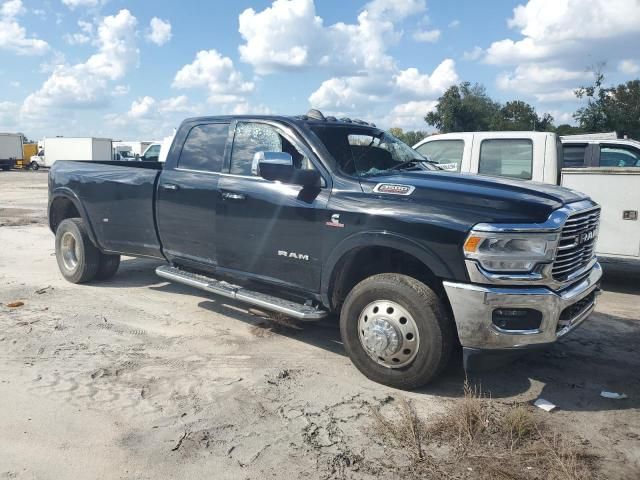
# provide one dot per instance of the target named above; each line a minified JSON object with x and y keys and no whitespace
{"x":278,"y":166}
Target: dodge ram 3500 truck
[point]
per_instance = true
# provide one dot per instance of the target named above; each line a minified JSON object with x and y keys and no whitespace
{"x":310,"y":215}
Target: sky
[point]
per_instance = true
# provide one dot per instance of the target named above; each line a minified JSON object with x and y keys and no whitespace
{"x":133,"y":70}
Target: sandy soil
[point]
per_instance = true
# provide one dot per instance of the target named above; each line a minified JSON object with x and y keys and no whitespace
{"x":140,"y":378}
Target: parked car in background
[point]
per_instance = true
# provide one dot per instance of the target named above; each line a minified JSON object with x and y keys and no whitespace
{"x":152,"y":153}
{"x":605,"y":168}
{"x":310,"y":215}
{"x":73,"y":148}
{"x":10,"y":150}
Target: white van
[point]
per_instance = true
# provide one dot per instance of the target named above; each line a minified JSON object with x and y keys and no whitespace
{"x":606,"y":169}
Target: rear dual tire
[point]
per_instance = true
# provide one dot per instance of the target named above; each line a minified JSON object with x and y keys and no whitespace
{"x":396,"y":331}
{"x":79,"y":260}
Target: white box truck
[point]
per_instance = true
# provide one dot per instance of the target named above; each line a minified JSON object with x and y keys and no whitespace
{"x":10,"y":149}
{"x":605,"y":168}
{"x":74,"y":148}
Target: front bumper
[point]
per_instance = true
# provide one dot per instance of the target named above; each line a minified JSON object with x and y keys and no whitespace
{"x":473,"y":307}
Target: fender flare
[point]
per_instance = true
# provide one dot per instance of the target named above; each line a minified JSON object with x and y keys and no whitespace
{"x":67,"y":193}
{"x":379,"y":239}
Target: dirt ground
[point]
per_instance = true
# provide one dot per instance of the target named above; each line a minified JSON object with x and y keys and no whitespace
{"x":139,"y":378}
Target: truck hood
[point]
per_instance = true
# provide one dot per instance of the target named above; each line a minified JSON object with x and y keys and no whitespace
{"x":518,"y":200}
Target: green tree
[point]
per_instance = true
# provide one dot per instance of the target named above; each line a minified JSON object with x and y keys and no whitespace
{"x":566,"y":129}
{"x":410,"y":137}
{"x":519,"y":115}
{"x":615,"y":108}
{"x":463,"y":108}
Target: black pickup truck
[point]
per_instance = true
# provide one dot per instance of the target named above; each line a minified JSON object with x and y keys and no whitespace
{"x":310,"y":215}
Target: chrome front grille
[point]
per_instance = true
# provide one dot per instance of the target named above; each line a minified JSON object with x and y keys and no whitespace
{"x":577,"y":243}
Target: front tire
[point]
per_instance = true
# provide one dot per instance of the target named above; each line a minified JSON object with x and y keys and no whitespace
{"x":78,"y":258}
{"x":396,"y":331}
{"x":34,"y":166}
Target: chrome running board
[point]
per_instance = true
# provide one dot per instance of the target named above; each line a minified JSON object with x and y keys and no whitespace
{"x":269,"y":302}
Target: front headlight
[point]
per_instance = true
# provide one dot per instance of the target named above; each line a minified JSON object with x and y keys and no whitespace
{"x":510,"y":252}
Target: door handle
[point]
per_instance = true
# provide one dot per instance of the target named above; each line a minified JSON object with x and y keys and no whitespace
{"x":233,"y":196}
{"x":169,"y":186}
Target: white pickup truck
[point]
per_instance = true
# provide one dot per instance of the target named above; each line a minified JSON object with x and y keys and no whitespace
{"x":606,"y":169}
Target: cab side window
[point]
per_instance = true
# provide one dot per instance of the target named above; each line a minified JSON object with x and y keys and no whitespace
{"x":573,"y":155}
{"x":251,"y":138}
{"x":511,"y":158}
{"x":203,"y":149}
{"x":448,"y":153}
{"x":618,"y":156}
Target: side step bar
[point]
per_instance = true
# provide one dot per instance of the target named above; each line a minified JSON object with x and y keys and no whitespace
{"x":269,"y":302}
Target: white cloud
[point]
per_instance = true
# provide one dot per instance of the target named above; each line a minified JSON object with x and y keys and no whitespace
{"x":141,"y":107}
{"x":120,"y":90}
{"x":13,"y":36}
{"x":289,"y":35}
{"x":547,"y":83}
{"x":359,"y":93}
{"x":454,"y":23}
{"x":410,"y":115}
{"x":76,"y":38}
{"x":474,"y":54}
{"x":363,"y":77}
{"x":86,"y":84}
{"x":429,"y":36}
{"x":160,"y":32}
{"x":217,"y":75}
{"x":81,"y":3}
{"x":629,"y":67}
{"x":424,"y":85}
{"x":559,"y":41}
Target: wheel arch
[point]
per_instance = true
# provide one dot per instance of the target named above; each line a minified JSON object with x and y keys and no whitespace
{"x":347,"y":263}
{"x":66,"y":204}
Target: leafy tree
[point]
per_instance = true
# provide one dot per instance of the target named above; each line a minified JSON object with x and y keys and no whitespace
{"x":519,"y":115}
{"x":468,"y":108}
{"x":410,"y":137}
{"x":616,"y":108}
{"x":463,"y":108}
{"x":566,"y":129}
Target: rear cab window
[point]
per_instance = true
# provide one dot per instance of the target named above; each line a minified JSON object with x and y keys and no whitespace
{"x":573,"y":155}
{"x":203,"y":150}
{"x":447,"y":153}
{"x":508,"y":157}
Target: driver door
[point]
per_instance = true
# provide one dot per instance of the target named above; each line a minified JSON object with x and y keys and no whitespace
{"x":269,"y":229}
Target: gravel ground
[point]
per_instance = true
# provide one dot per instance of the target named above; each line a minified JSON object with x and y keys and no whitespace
{"x":140,"y":378}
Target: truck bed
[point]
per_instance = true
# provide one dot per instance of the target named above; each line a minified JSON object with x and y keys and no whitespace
{"x":118,"y":198}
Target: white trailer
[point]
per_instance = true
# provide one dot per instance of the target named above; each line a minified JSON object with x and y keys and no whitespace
{"x":136,"y":148}
{"x":10,"y":149}
{"x":74,"y":148}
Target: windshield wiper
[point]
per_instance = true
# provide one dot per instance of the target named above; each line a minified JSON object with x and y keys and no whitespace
{"x":414,"y":161}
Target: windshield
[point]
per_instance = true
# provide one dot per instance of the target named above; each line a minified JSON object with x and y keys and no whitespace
{"x":366,"y":151}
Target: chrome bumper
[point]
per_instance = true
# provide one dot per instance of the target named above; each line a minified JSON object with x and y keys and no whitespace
{"x":473,"y":307}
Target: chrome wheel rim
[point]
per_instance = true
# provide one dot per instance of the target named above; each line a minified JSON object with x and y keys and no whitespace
{"x":69,"y":250}
{"x":388,"y":333}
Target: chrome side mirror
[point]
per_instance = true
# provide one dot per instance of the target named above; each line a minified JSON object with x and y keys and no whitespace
{"x":271,"y":162}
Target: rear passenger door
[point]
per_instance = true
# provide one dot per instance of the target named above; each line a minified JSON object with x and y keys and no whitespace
{"x":188,"y":194}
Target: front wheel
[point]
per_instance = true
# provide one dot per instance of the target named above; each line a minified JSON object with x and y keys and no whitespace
{"x":396,"y":330}
{"x":34,"y":166}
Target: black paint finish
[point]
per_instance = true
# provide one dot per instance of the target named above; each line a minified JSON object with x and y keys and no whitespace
{"x":287,"y":235}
